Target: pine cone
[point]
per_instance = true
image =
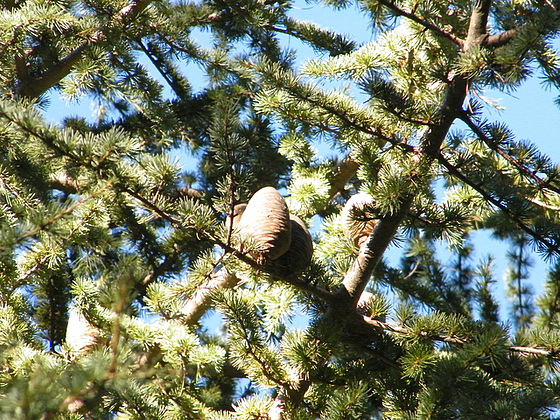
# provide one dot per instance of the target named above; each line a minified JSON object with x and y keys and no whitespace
{"x":266,"y":221}
{"x":235,"y":217}
{"x":357,"y":224}
{"x":80,"y":334}
{"x":299,"y":255}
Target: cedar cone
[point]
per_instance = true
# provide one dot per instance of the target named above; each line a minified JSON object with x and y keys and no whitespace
{"x":299,"y":255}
{"x":235,"y":217}
{"x":80,"y":334}
{"x":357,"y":223}
{"x":266,"y":220}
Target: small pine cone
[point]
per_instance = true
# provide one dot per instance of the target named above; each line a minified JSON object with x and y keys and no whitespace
{"x":299,"y":255}
{"x":80,"y":334}
{"x":266,"y":220}
{"x":234,"y":218}
{"x":356,"y":223}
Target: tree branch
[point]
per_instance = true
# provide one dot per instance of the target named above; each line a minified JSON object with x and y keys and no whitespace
{"x":478,"y":23}
{"x":453,"y":170}
{"x":63,"y":213}
{"x":445,"y":338}
{"x":371,"y":252}
{"x":369,"y":255}
{"x":497,"y":40}
{"x":291,"y":394}
{"x":514,"y":162}
{"x":535,"y":351}
{"x":199,"y":302}
{"x":319,"y":99}
{"x":22,"y":72}
{"x":35,"y":87}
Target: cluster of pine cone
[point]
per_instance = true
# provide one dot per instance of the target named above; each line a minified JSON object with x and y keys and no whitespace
{"x":281,"y":240}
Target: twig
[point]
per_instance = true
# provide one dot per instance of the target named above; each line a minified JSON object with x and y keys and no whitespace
{"x":514,"y":162}
{"x":428,"y":25}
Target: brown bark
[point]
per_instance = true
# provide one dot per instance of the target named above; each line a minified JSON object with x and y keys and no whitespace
{"x":200,"y":301}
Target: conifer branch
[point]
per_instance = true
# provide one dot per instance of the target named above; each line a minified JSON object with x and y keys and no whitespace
{"x":446,"y":338}
{"x":320,"y":100}
{"x":423,"y":22}
{"x":453,"y":170}
{"x":36,"y":86}
{"x":199,"y":302}
{"x":372,"y":251}
{"x":158,"y":65}
{"x":369,"y":255}
{"x":63,"y":213}
{"x":498,"y":40}
{"x":478,"y":23}
{"x":300,"y":284}
{"x":159,"y":270}
{"x":510,"y":159}
{"x":148,"y":204}
{"x":22,"y":72}
{"x":535,"y":351}
{"x":405,"y":331}
{"x":291,"y":394}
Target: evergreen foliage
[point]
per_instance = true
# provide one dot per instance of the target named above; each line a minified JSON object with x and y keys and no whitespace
{"x":123,"y":290}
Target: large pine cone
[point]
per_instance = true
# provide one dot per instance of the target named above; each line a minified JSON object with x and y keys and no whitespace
{"x":266,"y":220}
{"x":299,"y":255}
{"x":357,"y":222}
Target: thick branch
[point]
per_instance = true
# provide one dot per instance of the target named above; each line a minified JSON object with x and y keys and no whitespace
{"x":535,"y":351}
{"x":478,"y":22}
{"x":369,"y":255}
{"x":199,"y":302}
{"x":371,"y":252}
{"x":34,"y":87}
{"x":21,"y":69}
{"x":497,"y":40}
